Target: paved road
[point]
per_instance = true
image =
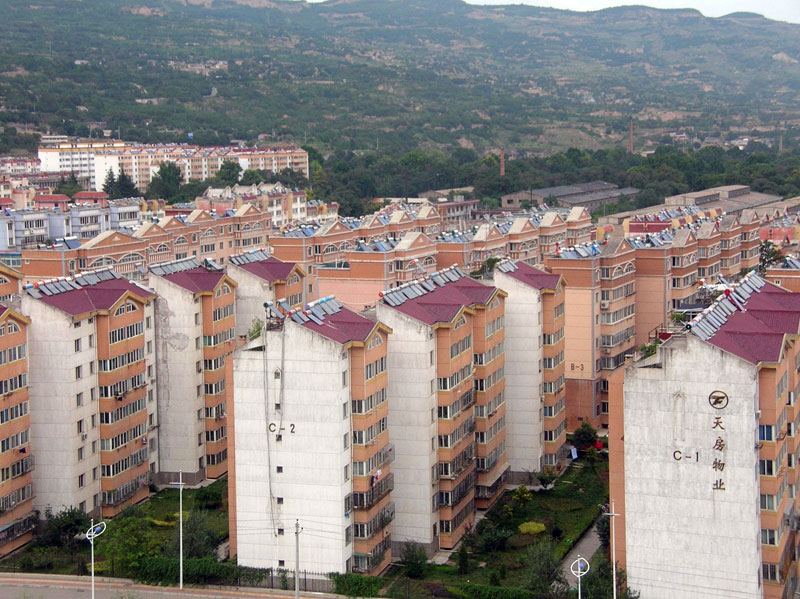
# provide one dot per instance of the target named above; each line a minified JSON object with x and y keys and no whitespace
{"x":40,"y":586}
{"x":588,"y":544}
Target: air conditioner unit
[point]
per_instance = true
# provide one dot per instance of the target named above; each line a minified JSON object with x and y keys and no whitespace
{"x":758,"y":414}
{"x":604,"y":305}
{"x":144,"y":440}
{"x":84,"y":436}
{"x":119,"y":398}
{"x":347,"y":514}
{"x":606,"y":350}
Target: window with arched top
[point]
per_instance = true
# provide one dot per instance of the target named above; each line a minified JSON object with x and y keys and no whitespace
{"x":181,"y":240}
{"x":12,"y":327}
{"x":460,"y":322}
{"x":330,"y":249}
{"x":4,"y":280}
{"x":224,"y":290}
{"x":376,"y":341}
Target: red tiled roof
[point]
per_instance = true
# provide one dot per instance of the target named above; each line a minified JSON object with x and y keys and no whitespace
{"x":538,"y":279}
{"x":443,"y":303}
{"x":100,"y":296}
{"x":758,"y":333}
{"x":343,"y":326}
{"x":51,"y":197}
{"x":270,"y":269}
{"x":84,"y":195}
{"x":196,"y":280}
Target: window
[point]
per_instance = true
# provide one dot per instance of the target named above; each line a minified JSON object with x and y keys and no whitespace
{"x":346,"y":441}
{"x":766,"y":432}
{"x":80,"y":454}
{"x":78,"y":344}
{"x":769,"y":572}
{"x":346,"y":473}
{"x":278,"y":469}
{"x":79,"y":400}
{"x":78,"y":372}
{"x":81,"y":484}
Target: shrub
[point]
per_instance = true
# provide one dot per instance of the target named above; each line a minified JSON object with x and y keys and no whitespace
{"x":414,"y":560}
{"x":355,"y":585}
{"x":531,"y":528}
{"x":494,"y":538}
{"x":463,"y":559}
{"x":585,"y":436}
{"x":482,"y":591}
{"x":494,"y":579}
{"x":209,"y":498}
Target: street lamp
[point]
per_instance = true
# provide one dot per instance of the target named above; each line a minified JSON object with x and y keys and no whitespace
{"x":179,"y":484}
{"x":579,"y":568}
{"x":613,"y":516}
{"x":95,"y":531}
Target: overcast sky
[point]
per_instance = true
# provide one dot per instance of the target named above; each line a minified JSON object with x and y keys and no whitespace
{"x":780,"y":10}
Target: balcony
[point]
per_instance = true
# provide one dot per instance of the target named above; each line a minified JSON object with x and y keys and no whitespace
{"x":126,"y":491}
{"x":367,"y":562}
{"x":17,"y":528}
{"x":364,"y":501}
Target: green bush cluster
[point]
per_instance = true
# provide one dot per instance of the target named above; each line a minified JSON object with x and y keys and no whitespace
{"x":356,"y":585}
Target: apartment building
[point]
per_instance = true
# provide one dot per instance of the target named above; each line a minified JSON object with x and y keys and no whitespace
{"x":312,"y":442}
{"x":261,"y":278}
{"x":78,"y":157}
{"x":18,"y":518}
{"x":141,"y":161}
{"x":196,"y":322}
{"x":284,"y":205}
{"x":703,"y":459}
{"x":535,"y":390}
{"x":200,"y":234}
{"x":600,"y":301}
{"x":447,"y":411}
{"x":370,"y":267}
{"x":91,"y":352}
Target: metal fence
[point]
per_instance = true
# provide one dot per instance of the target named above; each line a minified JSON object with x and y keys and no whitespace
{"x":312,"y":582}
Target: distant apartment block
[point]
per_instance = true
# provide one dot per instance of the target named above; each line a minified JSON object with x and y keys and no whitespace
{"x":141,"y":161}
{"x":77,"y":157}
{"x":590,"y":195}
{"x":284,"y":205}
{"x":312,"y":442}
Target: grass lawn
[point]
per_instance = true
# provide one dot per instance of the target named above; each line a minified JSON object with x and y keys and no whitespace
{"x":161,"y":518}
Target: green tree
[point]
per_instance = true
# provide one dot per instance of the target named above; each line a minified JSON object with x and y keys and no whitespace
{"x":547,"y":476}
{"x":108,"y":184}
{"x":254,"y":332}
{"x":198,"y":539}
{"x":60,"y":529}
{"x":414,"y":560}
{"x":584,"y":436}
{"x":124,"y":188}
{"x":463,"y":559}
{"x":228,"y":173}
{"x":128,"y":541}
{"x":251,"y":177}
{"x":166,"y":183}
{"x":598,"y":583}
{"x":543,"y":570}
{"x":604,"y":530}
{"x":69,"y":186}
{"x":768,"y":254}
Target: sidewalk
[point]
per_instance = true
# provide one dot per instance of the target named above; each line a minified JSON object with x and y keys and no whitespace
{"x":586,"y":548}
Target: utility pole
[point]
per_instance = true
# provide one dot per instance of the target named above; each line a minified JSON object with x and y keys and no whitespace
{"x":613,"y":515}
{"x":179,"y":484}
{"x":297,"y":530}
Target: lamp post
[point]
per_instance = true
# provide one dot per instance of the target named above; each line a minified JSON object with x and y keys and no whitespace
{"x":579,"y":568}
{"x":612,"y":514}
{"x":95,"y":531}
{"x":179,"y":484}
